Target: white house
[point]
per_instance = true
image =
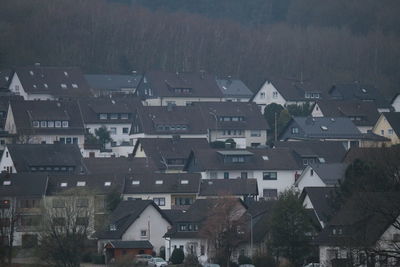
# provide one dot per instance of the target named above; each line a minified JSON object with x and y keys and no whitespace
{"x":266,"y":95}
{"x":325,"y":174}
{"x":396,"y":103}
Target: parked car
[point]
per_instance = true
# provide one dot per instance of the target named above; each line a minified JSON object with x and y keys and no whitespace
{"x":211,"y":265}
{"x":157,"y":262}
{"x":142,"y":258}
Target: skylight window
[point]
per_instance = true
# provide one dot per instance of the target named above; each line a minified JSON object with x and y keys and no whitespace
{"x":184,"y":181}
{"x":7,"y":182}
{"x":31,"y":73}
{"x":159,"y":181}
{"x":63,"y":85}
{"x":265,"y":157}
{"x":324,"y":128}
{"x":63,"y":184}
{"x":321,"y":160}
{"x":65,"y":73}
{"x":364,"y":90}
{"x":34,"y":86}
{"x":45,"y":85}
{"x":81,"y":183}
{"x":135,"y":182}
{"x":107,"y":183}
{"x":74,"y":85}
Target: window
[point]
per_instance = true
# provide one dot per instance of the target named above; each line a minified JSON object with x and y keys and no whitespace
{"x":74,"y":85}
{"x":43,"y":124}
{"x":83,"y":221}
{"x":182,"y":227}
{"x":202,"y":250}
{"x":295,"y":130}
{"x":81,"y":183}
{"x":213,"y":175}
{"x":57,"y":124}
{"x":113,"y":130}
{"x":124,"y":116}
{"x":114,"y":116}
{"x":75,"y":140}
{"x":103,"y":116}
{"x":159,"y":182}
{"x":262,"y":95}
{"x":68,"y":140}
{"x":390,"y":131}
{"x":135,"y":182}
{"x":113,"y":227}
{"x":182,"y":201}
{"x":82,"y":202}
{"x":382,"y":132}
{"x":275,"y":94}
{"x":65,"y":124}
{"x":107,"y":183}
{"x":35,"y":124}
{"x":143,"y":233}
{"x":270,"y":175}
{"x":270,"y":193}
{"x":63,"y":184}
{"x":64,"y":86}
{"x":312,"y":172}
{"x":50,"y":124}
{"x":243,"y":175}
{"x":255,"y":133}
{"x":45,"y":85}
{"x":226,"y":175}
{"x":159,"y":201}
{"x":6,"y":182}
{"x":184,"y":181}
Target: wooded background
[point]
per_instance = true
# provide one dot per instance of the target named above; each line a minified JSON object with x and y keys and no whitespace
{"x":326,"y":41}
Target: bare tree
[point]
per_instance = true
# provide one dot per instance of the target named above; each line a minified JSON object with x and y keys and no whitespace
{"x":8,"y":221}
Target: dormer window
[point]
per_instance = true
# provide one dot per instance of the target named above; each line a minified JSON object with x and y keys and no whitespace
{"x":65,"y":124}
{"x":57,"y":124}
{"x":81,"y":183}
{"x":50,"y":124}
{"x":159,"y":181}
{"x":103,"y":116}
{"x":124,"y":116}
{"x":114,"y":116}
{"x":135,"y":182}
{"x":184,"y":181}
{"x":43,"y":124}
{"x":64,"y":86}
{"x":113,"y":227}
{"x":35,"y":124}
{"x":74,"y":85}
{"x":63,"y":184}
{"x":7,"y":182}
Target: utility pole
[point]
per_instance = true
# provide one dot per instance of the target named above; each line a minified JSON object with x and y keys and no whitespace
{"x":276,"y":129}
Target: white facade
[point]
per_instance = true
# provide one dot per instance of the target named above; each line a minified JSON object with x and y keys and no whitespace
{"x":118,"y":132}
{"x":190,"y":246}
{"x":317,"y":112}
{"x":309,"y":178}
{"x":396,"y":103}
{"x":268,"y":94}
{"x":243,"y":139}
{"x":17,"y":88}
{"x":178,"y":101}
{"x":6,"y":163}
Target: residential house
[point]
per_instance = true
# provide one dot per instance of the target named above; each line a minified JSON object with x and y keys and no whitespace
{"x":396,"y":103}
{"x":112,"y":84}
{"x":187,"y":232}
{"x":116,"y":115}
{"x":234,"y":90}
{"x":328,"y":129}
{"x":48,"y":83}
{"x":135,"y":220}
{"x":316,"y":151}
{"x":167,"y":190}
{"x":21,"y":197}
{"x":45,"y":122}
{"x":363,"y":114}
{"x":363,"y":232}
{"x":287,"y":92}
{"x":245,"y":189}
{"x":121,"y":165}
{"x":320,"y":175}
{"x":56,"y":158}
{"x":160,"y":88}
{"x":388,"y":125}
{"x":318,"y":201}
{"x":274,"y":169}
{"x":167,"y":154}
{"x":361,"y":92}
{"x":241,"y":122}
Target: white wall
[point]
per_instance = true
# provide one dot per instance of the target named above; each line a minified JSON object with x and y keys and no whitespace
{"x":155,"y":225}
{"x":118,"y":137}
{"x":168,"y":199}
{"x":6,"y":162}
{"x":16,"y":87}
{"x":317,"y":112}
{"x":396,"y":103}
{"x":267,"y":90}
{"x":185,"y":243}
{"x":308,"y":180}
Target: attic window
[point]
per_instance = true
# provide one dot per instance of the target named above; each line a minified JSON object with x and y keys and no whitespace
{"x":63,"y":184}
{"x":265,"y":157}
{"x":135,"y":182}
{"x":35,"y":124}
{"x":74,"y":85}
{"x":159,"y":181}
{"x":81,"y":183}
{"x":45,"y":85}
{"x":184,"y":181}
{"x":107,"y":183}
{"x":103,"y":116}
{"x":113,"y":227}
{"x":63,"y":85}
{"x":324,"y":128}
{"x":7,"y":182}
{"x":31,"y":73}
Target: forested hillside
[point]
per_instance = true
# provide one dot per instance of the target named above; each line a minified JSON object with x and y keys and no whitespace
{"x":325,"y":43}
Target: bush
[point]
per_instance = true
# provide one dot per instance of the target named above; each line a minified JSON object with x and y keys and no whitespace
{"x":191,"y":260}
{"x":98,"y":259}
{"x":264,"y":261}
{"x":177,"y":256}
{"x":244,"y":260}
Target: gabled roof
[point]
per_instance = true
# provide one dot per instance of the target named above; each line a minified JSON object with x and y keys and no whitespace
{"x":234,"y":88}
{"x":320,"y":199}
{"x":57,"y":81}
{"x":235,"y":187}
{"x":330,"y":173}
{"x":125,"y":215}
{"x":23,"y":184}
{"x":159,"y":150}
{"x":394,"y":120}
{"x":119,"y":165}
{"x":261,"y":159}
{"x":149,"y":182}
{"x":362,"y":220}
{"x":388,"y":154}
{"x":162,"y":84}
{"x":26,"y":155}
{"x":330,"y":152}
{"x":113,"y":82}
{"x":364,"y":113}
{"x":358,"y":91}
{"x":97,"y":184}
{"x":25,"y":112}
{"x":252,"y":117}
{"x":91,"y":108}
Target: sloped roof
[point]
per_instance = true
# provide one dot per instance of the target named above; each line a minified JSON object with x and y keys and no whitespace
{"x":131,"y":244}
{"x":332,"y":151}
{"x":119,"y":165}
{"x":49,"y":80}
{"x":330,"y":173}
{"x":394,"y":120}
{"x":26,"y":155}
{"x":236,"y":187}
{"x":368,"y":111}
{"x":125,"y":215}
{"x":234,"y":88}
{"x":161,"y":83}
{"x":320,"y":199}
{"x":113,"y":82}
{"x":23,"y":184}
{"x":389,"y":155}
{"x":25,"y":112}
